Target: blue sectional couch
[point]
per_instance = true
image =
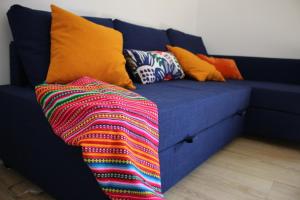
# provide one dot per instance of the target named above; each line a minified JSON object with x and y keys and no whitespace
{"x":196,"y":119}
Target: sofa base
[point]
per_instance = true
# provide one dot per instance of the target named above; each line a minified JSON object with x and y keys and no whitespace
{"x":180,"y":159}
{"x":273,"y":124}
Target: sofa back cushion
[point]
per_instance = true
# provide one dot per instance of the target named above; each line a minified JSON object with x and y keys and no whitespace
{"x":152,"y":66}
{"x":31,"y":34}
{"x":194,"y":67}
{"x":186,"y":41}
{"x":142,"y":38}
{"x":82,"y":48}
{"x":226,"y":66}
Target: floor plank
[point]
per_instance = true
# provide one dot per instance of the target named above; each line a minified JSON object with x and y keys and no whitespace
{"x":25,"y":189}
{"x":280,"y":191}
{"x":4,"y":193}
{"x":256,"y":167}
{"x":9,"y":177}
{"x":285,"y":157}
{"x":246,"y":169}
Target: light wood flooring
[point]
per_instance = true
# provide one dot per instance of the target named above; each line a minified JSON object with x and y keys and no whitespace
{"x":247,"y":169}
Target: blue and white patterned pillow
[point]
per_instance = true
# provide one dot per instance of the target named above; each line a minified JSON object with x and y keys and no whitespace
{"x":152,"y":66}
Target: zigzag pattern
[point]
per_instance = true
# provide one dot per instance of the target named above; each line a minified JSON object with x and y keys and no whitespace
{"x":117,"y":130}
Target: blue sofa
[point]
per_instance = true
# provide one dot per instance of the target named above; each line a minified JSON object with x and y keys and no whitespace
{"x":196,"y":119}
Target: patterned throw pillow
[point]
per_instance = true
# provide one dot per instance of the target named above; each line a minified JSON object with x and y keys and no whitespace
{"x":152,"y":66}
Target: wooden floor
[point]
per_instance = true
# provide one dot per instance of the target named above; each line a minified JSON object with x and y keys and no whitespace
{"x":246,"y":169}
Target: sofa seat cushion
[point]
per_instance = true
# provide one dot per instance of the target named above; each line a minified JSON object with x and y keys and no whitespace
{"x":188,"y":107}
{"x":273,"y":96}
{"x":185,"y":107}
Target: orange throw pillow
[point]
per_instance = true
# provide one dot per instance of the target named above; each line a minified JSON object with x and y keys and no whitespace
{"x":82,"y":48}
{"x":227,"y":67}
{"x":195,"y":67}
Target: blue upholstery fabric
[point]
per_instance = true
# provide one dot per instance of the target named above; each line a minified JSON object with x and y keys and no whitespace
{"x":190,"y":42}
{"x":19,"y":147}
{"x":187,"y":107}
{"x":274,"y":96}
{"x":274,"y":110}
{"x":29,"y":146}
{"x":268,"y":69}
{"x":273,"y":124}
{"x":17,"y":74}
{"x":142,"y":38}
{"x":180,"y":159}
{"x":31,"y":33}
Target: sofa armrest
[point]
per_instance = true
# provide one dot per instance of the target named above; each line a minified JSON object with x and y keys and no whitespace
{"x":268,"y":69}
{"x":29,"y":146}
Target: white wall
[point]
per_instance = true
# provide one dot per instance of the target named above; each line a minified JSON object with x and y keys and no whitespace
{"x":268,"y":28}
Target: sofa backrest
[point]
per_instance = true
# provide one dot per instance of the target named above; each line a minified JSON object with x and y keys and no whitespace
{"x":141,"y":37}
{"x":30,"y":50}
{"x":278,"y":70}
{"x":17,"y":74}
{"x":187,"y":41}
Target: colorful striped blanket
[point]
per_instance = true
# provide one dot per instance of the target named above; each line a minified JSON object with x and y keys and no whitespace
{"x":117,"y":130}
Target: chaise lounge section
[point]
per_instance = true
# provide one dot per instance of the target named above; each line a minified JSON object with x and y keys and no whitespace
{"x":275,"y":99}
